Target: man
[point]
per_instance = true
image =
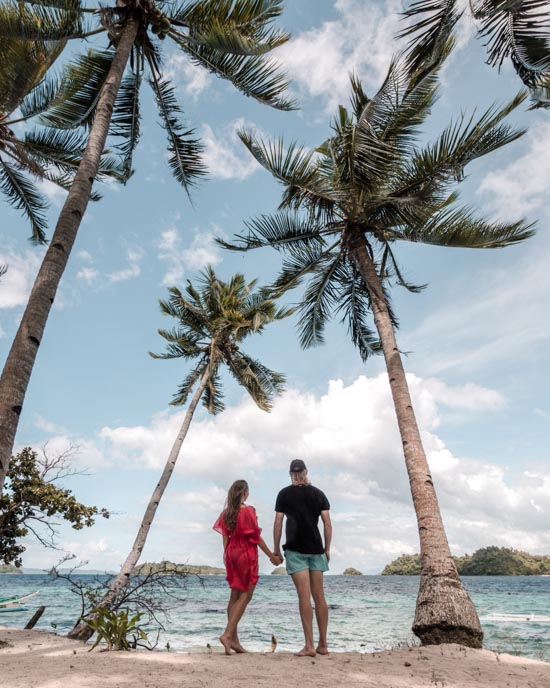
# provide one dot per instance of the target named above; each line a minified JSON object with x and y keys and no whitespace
{"x":306,"y":556}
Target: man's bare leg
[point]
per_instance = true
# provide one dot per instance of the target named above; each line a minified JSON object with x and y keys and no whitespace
{"x":321,"y":609}
{"x":303,"y":588}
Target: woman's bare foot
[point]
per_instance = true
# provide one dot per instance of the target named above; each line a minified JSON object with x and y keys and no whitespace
{"x":305,"y":652}
{"x":322,"y":650}
{"x":226,"y":642}
{"x":239,"y":649}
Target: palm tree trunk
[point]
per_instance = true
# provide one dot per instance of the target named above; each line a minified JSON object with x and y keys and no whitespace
{"x":19,"y":364}
{"x":81,"y":630}
{"x":444,"y":610}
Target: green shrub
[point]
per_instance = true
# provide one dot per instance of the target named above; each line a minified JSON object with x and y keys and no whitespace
{"x":114,"y":627}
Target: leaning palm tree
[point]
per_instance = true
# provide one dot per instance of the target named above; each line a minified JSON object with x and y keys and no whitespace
{"x":213,"y":320}
{"x":344,"y":207}
{"x":100,"y":91}
{"x":514,"y":29}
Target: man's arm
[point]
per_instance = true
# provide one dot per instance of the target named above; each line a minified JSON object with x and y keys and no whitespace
{"x":327,"y":525}
{"x":277,"y":531}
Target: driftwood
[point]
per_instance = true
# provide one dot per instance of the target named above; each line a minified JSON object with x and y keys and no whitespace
{"x":37,"y":614}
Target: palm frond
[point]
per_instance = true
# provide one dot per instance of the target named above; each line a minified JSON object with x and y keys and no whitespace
{"x":459,"y":144}
{"x":212,"y":398}
{"x":23,"y":195}
{"x":185,"y":161}
{"x":250,"y":16}
{"x":354,"y":307}
{"x":253,"y":75}
{"x":41,"y":97}
{"x":302,"y":261}
{"x":125,"y":122}
{"x":77,"y":97}
{"x":295,"y":167}
{"x":319,"y":301}
{"x":519,"y":30}
{"x":279,"y":230}
{"x":243,"y":27}
{"x":186,"y":386}
{"x":460,"y":228}
{"x":41,"y":21}
{"x":432,"y":33}
{"x":259,"y":381}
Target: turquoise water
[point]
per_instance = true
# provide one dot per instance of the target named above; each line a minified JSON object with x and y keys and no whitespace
{"x":366,"y":612}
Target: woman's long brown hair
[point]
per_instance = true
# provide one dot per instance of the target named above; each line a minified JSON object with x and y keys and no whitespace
{"x":234,"y":501}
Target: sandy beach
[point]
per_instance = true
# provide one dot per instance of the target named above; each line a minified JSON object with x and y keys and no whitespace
{"x":37,"y":659}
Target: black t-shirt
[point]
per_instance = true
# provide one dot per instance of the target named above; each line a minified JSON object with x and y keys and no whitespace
{"x":302,"y":506}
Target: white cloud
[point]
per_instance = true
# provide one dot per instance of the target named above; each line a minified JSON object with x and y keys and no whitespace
{"x":54,"y":193}
{"x":361,"y":40}
{"x":134,"y":256}
{"x":348,"y":437}
{"x":47,"y":426}
{"x":178,"y":257}
{"x":88,"y":275}
{"x":203,"y":250}
{"x":180,"y":70}
{"x":16,"y":284}
{"x":506,"y":189}
{"x":224,"y":154}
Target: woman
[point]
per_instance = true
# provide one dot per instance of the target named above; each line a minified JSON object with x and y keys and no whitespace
{"x":241,"y":538}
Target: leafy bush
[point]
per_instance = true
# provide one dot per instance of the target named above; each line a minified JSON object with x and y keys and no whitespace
{"x":114,"y":628}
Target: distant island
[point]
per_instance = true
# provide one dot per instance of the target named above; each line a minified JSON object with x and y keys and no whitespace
{"x":279,"y":571}
{"x":352,"y":572}
{"x":8,"y":568}
{"x":169,"y":567}
{"x":487,"y":561}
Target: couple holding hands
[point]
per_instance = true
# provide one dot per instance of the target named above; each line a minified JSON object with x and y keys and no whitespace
{"x":306,"y":556}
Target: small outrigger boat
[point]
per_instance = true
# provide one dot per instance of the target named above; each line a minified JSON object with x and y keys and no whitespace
{"x":15,"y":603}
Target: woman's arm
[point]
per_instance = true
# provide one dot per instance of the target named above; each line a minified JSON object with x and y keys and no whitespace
{"x":225,"y":542}
{"x":273,"y":558}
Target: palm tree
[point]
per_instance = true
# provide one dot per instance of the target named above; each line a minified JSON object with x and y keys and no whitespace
{"x":25,"y":90}
{"x":344,"y":207}
{"x":519,"y":30}
{"x":100,"y":91}
{"x":213,"y":321}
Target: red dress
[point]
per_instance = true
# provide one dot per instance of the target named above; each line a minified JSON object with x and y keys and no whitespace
{"x":241,"y":554}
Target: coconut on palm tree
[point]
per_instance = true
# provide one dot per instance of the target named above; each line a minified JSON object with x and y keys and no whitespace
{"x":518,"y":30}
{"x":101,"y":91}
{"x":213,"y":320}
{"x":344,"y":208}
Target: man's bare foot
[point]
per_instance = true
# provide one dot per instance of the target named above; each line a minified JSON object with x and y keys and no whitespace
{"x":322,"y":650}
{"x":305,"y":652}
{"x":226,"y":642}
{"x":239,"y":649}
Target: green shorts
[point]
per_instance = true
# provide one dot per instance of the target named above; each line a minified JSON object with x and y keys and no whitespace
{"x":296,"y":561}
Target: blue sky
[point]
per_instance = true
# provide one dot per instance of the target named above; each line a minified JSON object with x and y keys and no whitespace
{"x":477,"y":337}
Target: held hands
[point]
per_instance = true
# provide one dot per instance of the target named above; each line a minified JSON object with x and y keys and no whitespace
{"x":276,"y":559}
{"x":327,"y":554}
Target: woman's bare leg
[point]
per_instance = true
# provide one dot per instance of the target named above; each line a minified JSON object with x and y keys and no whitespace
{"x":235,"y":642}
{"x":235,"y":612}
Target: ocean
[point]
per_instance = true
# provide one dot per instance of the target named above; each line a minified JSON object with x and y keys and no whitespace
{"x":367,"y":613}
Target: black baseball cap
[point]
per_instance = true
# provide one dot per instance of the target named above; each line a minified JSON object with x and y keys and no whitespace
{"x":297,"y":465}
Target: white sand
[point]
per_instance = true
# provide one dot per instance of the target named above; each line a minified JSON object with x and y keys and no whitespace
{"x":37,"y":659}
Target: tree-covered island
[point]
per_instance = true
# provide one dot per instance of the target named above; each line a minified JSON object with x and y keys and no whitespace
{"x":487,"y":561}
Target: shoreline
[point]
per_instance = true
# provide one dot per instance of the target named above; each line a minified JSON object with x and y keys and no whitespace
{"x":40,"y":659}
